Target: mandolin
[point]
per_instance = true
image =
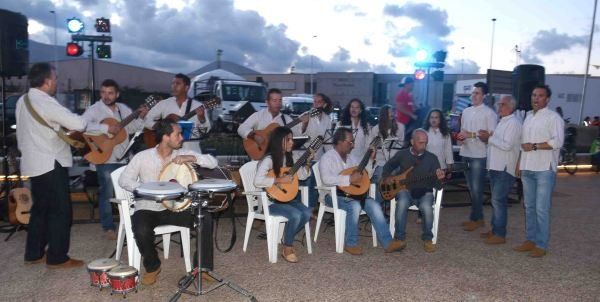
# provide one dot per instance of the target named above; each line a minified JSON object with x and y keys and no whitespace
{"x":362,"y":187}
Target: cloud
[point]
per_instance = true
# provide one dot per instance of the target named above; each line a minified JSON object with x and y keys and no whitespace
{"x":340,"y":61}
{"x":459,"y":66}
{"x":342,"y":8}
{"x":547,"y":42}
{"x":430,"y":33}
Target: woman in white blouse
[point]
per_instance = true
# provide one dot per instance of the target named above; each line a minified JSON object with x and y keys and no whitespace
{"x":392,"y":134}
{"x":354,"y":116}
{"x":440,"y":142}
{"x":279,"y":154}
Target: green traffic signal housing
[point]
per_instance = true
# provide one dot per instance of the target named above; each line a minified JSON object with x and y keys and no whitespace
{"x":103,"y":51}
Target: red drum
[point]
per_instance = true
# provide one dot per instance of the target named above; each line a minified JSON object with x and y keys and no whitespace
{"x":122,"y":279}
{"x":98,"y":269}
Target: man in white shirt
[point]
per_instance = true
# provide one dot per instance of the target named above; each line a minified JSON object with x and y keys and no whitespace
{"x":94,"y":115}
{"x":145,"y":167}
{"x":179,"y":104}
{"x":504,"y":146}
{"x":45,"y":158}
{"x":330,"y":166}
{"x":543,"y":136}
{"x":473,"y":149}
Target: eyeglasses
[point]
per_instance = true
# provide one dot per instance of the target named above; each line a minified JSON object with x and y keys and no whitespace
{"x":351,"y":142}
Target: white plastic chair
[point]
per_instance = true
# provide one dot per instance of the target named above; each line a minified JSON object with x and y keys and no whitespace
{"x":124,"y":200}
{"x":437,"y":205}
{"x":339,"y":215}
{"x":257,"y":201}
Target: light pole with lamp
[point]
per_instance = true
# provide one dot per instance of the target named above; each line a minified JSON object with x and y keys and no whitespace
{"x":55,"y":43}
{"x":311,"y":70}
{"x":492,"y":48}
{"x":587,"y":64}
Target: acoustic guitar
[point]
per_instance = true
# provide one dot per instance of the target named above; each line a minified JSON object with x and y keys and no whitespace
{"x":287,"y":192}
{"x":362,"y":187}
{"x":100,"y":146}
{"x":19,"y":206}
{"x":256,"y":150}
{"x":390,"y":186}
{"x":148,"y":135}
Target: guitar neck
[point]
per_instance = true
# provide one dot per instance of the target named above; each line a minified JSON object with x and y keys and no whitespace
{"x":364,"y":161}
{"x":190,"y":114}
{"x":293,"y":123}
{"x":299,"y":163}
{"x":129,"y":119}
{"x":432,"y":176}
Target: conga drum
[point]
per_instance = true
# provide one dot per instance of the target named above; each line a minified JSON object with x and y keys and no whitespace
{"x":98,"y":269}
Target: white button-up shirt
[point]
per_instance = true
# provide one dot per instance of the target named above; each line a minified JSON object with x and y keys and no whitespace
{"x":441,"y":146}
{"x":544,"y":126}
{"x":146,"y":166}
{"x":331,"y":164}
{"x":389,"y":147}
{"x":96,"y":113}
{"x":40,"y":146}
{"x":504,"y":145}
{"x":261,"y":119}
{"x":473,"y":119}
{"x":318,"y":125}
{"x":261,"y":179}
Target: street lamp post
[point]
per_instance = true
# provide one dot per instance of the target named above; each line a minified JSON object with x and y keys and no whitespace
{"x":55,"y":43}
{"x":462,"y":63}
{"x":492,"y":48}
{"x":311,"y":70}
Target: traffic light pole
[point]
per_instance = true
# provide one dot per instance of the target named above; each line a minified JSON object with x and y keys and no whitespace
{"x":93,"y":100}
{"x":92,"y":39}
{"x":427,"y":87}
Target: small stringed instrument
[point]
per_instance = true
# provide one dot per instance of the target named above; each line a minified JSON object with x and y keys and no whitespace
{"x":150,"y":138}
{"x":390,"y":186}
{"x":101,"y":145}
{"x":257,"y":150}
{"x":19,"y":206}
{"x":287,"y":192}
{"x":361,"y":188}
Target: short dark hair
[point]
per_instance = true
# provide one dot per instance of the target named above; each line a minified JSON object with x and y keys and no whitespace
{"x":186,"y":80}
{"x":164,"y":127}
{"x":38,"y":74}
{"x":340,"y":135}
{"x":483,"y":86}
{"x":111,"y":83}
{"x":545,"y":87}
{"x":273,"y":90}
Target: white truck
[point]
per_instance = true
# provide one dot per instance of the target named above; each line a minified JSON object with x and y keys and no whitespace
{"x":239,"y":98}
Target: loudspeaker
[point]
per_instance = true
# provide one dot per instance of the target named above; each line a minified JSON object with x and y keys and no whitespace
{"x":14,"y":44}
{"x":524,"y":78}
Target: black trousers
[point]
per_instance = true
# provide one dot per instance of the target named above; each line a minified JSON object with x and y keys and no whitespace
{"x":145,"y":221}
{"x":51,"y":217}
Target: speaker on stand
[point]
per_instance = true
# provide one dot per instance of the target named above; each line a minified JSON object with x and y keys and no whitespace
{"x":524,"y":79}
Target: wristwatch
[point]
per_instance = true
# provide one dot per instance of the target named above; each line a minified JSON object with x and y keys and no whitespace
{"x":534,"y":146}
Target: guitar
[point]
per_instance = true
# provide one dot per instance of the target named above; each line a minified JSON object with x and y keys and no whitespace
{"x":148,"y":135}
{"x":360,"y":189}
{"x":19,"y":206}
{"x":257,"y":150}
{"x":287,"y":192}
{"x":390,"y":186}
{"x":100,"y":146}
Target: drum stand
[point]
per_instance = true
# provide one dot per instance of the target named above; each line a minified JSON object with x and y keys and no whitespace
{"x":195,"y":276}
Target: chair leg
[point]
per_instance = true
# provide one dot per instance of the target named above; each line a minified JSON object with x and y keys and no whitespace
{"x":166,"y":243}
{"x":319,"y":220}
{"x":436,"y":219}
{"x":249,"y":222}
{"x":185,"y":244}
{"x":120,"y":241}
{"x":269,"y":233}
{"x":393,"y":216}
{"x":137,"y":259}
{"x":374,"y":235}
{"x":340,"y":227}
{"x":308,"y":242}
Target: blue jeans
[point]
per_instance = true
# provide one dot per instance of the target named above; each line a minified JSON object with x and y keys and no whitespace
{"x":425,"y":204}
{"x":352,"y":208}
{"x":537,"y":192}
{"x":296,"y":213}
{"x":501,"y":183}
{"x":105,"y":193}
{"x":475,"y":176}
{"x":313,"y":196}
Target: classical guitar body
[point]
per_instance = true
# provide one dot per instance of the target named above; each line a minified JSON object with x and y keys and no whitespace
{"x":393,"y":184}
{"x":19,"y":204}
{"x":283,"y":192}
{"x":356,"y":189}
{"x":101,"y":146}
{"x":255,"y":150}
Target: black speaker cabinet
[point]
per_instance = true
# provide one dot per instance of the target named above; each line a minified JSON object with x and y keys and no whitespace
{"x":524,"y":78}
{"x":14,"y":44}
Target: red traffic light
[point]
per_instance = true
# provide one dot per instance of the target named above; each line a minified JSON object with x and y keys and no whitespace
{"x":419,"y":74}
{"x":74,"y":49}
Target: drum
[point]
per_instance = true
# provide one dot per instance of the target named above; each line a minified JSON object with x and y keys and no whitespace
{"x":122,"y":279}
{"x":160,"y":190}
{"x":205,"y":190}
{"x":98,"y":269}
{"x":184,"y":174}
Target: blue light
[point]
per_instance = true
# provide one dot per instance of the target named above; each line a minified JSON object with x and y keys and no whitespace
{"x":74,"y":25}
{"x":421,"y":55}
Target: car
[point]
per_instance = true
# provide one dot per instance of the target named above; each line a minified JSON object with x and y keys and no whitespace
{"x":294,"y":106}
{"x":373,"y":115}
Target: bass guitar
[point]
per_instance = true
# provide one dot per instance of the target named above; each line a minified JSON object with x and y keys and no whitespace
{"x":362,"y":187}
{"x":148,"y":135}
{"x":256,"y":147}
{"x":390,"y":186}
{"x":287,"y":192}
{"x":101,"y":145}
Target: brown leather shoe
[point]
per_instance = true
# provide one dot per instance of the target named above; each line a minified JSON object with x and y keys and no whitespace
{"x":353,"y":250}
{"x":537,"y":253}
{"x":395,"y":245}
{"x":525,"y":246}
{"x":429,"y":247}
{"x":289,"y":254}
{"x":150,"y":278}
{"x":473,"y":225}
{"x":495,"y":240}
{"x":43,"y":259}
{"x":486,"y":235}
{"x":71,"y":263}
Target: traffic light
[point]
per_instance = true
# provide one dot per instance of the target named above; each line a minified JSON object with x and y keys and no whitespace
{"x":419,"y":74}
{"x":102,"y":25}
{"x":74,"y":49}
{"x":440,"y":56}
{"x":74,"y":25}
{"x":103,"y":51}
{"x":438,"y":75}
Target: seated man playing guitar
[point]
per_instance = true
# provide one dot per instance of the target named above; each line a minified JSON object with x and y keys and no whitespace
{"x":332,"y":163}
{"x":422,"y":164}
{"x":279,"y":155}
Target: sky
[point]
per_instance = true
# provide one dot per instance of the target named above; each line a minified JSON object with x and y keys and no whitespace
{"x":382,"y":36}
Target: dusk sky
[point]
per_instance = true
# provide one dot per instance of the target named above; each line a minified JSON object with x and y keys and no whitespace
{"x":379,"y":36}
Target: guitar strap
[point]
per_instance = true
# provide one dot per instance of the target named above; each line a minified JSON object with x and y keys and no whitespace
{"x":283,"y":119}
{"x":189,"y":106}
